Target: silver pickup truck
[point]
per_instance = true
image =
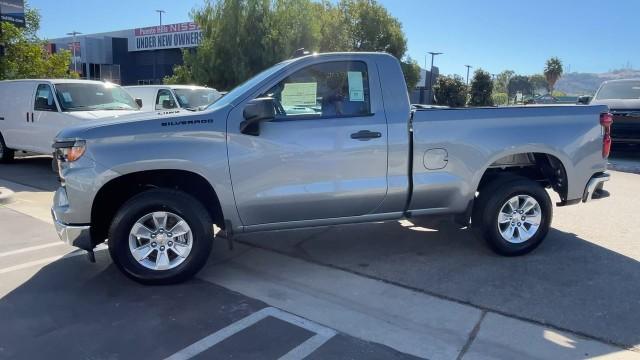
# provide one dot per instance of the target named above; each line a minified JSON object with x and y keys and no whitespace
{"x":319,"y":140}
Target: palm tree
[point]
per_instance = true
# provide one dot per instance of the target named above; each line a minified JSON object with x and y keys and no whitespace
{"x":552,"y":72}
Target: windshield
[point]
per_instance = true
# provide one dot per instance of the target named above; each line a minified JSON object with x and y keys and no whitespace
{"x":93,"y":96}
{"x":622,"y":90}
{"x":195,"y":98}
{"x":241,"y":89}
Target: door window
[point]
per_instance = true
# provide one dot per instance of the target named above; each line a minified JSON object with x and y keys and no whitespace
{"x":327,"y":90}
{"x":44,"y":99}
{"x":165,"y":100}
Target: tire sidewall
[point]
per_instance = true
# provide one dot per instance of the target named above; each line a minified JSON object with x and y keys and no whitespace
{"x":180,"y":204}
{"x":493,"y":206}
{"x":6,"y":154}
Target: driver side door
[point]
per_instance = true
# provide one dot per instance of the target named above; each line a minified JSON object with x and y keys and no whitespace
{"x":46,"y":120}
{"x":324,"y":155}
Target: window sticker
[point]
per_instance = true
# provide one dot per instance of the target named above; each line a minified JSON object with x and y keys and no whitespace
{"x":299,"y":94}
{"x":67,"y":97}
{"x":356,"y":86}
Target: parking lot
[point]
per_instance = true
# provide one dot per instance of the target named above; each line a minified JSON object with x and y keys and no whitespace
{"x":397,"y":290}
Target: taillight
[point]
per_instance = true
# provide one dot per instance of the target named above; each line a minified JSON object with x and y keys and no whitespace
{"x":606,"y":119}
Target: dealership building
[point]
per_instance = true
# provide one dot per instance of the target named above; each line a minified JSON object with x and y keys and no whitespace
{"x":130,"y":57}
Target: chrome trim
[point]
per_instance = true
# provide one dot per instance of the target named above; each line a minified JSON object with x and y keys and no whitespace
{"x":593,"y":184}
{"x":74,"y":235}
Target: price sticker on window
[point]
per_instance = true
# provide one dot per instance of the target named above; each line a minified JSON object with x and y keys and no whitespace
{"x":299,"y":94}
{"x":356,"y":86}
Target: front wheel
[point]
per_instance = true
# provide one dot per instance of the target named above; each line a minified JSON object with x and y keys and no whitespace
{"x":161,"y":237}
{"x":513,"y":215}
{"x":6,"y":154}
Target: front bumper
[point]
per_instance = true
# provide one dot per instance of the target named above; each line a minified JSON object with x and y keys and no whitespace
{"x":74,"y":235}
{"x":594,"y":188}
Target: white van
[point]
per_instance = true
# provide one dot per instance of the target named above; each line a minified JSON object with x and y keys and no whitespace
{"x":166,"y":97}
{"x":32,"y":112}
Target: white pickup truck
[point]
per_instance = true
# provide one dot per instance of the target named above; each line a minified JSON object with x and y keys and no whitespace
{"x":353,"y":150}
{"x":32,"y":112}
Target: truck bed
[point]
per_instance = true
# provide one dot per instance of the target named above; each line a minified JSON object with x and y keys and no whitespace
{"x":452,"y":149}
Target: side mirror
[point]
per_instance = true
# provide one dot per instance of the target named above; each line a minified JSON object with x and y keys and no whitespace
{"x":256,"y":111}
{"x":584,"y":99}
{"x":42,"y":104}
{"x":168,"y":104}
{"x":139,"y":102}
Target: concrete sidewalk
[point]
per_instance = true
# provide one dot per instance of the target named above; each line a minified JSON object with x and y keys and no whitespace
{"x":411,"y":322}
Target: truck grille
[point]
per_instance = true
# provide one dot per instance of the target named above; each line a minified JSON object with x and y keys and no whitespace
{"x":626,"y":125}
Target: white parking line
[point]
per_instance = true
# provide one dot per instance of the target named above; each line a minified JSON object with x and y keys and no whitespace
{"x":46,"y":260}
{"x":323,"y":334}
{"x":31,"y":248}
{"x":306,"y":348}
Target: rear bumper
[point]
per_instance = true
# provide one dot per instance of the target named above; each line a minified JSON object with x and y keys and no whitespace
{"x":74,"y":235}
{"x":595,"y":187}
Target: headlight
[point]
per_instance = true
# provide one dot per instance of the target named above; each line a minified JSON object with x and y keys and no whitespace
{"x":69,"y":151}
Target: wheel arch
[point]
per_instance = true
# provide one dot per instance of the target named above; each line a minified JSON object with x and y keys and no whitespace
{"x":546,"y":167}
{"x":114,"y":193}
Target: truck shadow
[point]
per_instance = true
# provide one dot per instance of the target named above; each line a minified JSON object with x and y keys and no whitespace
{"x":78,"y":310}
{"x":568,"y":282}
{"x":32,"y":171}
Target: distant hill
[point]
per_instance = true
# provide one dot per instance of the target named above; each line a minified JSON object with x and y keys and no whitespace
{"x":587,"y":83}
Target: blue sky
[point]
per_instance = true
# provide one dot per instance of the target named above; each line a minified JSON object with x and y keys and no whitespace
{"x":588,"y":35}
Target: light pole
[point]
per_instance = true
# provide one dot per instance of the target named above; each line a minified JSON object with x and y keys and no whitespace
{"x":160,"y":12}
{"x":468,"y":67}
{"x":433,"y":54}
{"x":73,"y":46}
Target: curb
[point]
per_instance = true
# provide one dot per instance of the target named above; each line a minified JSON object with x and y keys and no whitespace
{"x":6,"y":195}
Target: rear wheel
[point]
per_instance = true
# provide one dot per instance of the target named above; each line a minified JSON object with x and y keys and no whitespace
{"x":6,"y":154}
{"x":161,"y":237}
{"x":513,"y":215}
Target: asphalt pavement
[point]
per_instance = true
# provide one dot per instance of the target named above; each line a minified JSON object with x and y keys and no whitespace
{"x":53,"y":301}
{"x":416,"y":288}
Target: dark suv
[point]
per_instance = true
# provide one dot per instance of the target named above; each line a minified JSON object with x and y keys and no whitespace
{"x":623,"y":99}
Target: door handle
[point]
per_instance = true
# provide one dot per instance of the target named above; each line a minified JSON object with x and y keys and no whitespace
{"x":27,"y":116}
{"x":364,"y":135}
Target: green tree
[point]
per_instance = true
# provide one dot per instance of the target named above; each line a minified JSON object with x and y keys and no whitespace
{"x":243,"y":37}
{"x":552,"y":72}
{"x":502,"y":81}
{"x":25,"y":54}
{"x":538,"y":82}
{"x":411,"y":71}
{"x":500,"y":98}
{"x":182,"y":74}
{"x":481,"y":89}
{"x":519,"y":84}
{"x":450,"y":91}
{"x":370,"y":27}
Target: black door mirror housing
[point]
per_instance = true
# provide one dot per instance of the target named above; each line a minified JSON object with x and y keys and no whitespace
{"x":139,"y":102}
{"x":42,"y":104}
{"x":584,"y":99}
{"x":168,"y":104}
{"x":256,"y":111}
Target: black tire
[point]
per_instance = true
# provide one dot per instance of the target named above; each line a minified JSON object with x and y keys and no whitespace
{"x":489,"y":203}
{"x":177,"y":202}
{"x":6,"y":154}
